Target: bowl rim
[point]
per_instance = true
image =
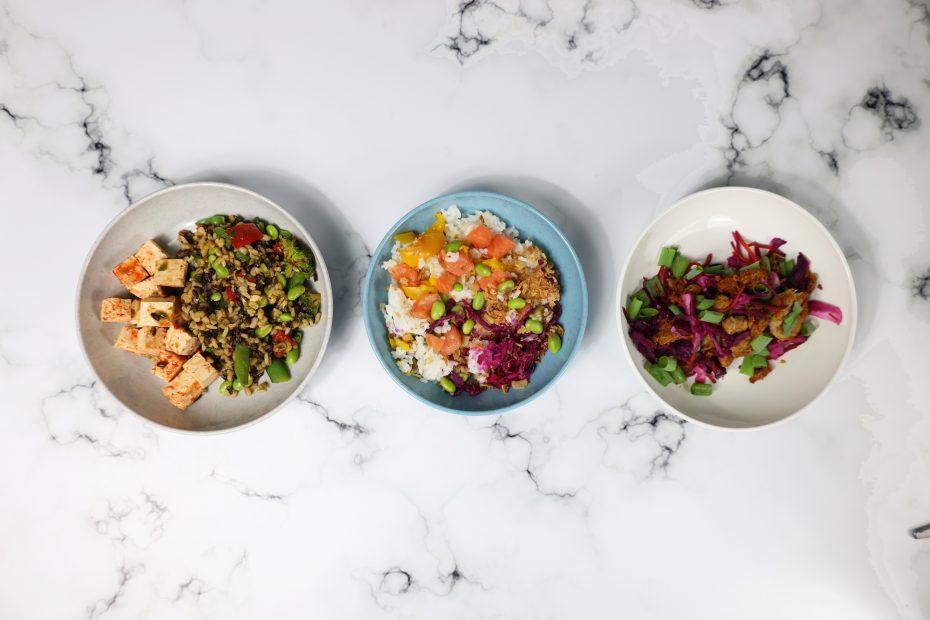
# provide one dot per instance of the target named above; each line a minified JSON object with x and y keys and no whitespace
{"x":788,"y":203}
{"x":305,"y":237}
{"x":374,"y":265}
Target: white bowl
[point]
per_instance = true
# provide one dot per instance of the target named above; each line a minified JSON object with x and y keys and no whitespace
{"x":160,"y":216}
{"x":701,"y":223}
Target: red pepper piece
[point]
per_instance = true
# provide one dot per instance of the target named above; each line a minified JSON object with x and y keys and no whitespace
{"x":230,"y":293}
{"x":243,"y":234}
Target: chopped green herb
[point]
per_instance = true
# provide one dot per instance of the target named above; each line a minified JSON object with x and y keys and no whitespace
{"x":667,"y":256}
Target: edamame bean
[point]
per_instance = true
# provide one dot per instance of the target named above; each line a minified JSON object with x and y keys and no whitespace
{"x":286,"y":234}
{"x":214,"y":219}
{"x":555,"y":343}
{"x":467,"y":326}
{"x":447,"y":385}
{"x":478,"y":302}
{"x":295,"y":292}
{"x":458,"y":309}
{"x":272,"y":231}
{"x":506,"y":286}
{"x":534,"y":326}
{"x":287,"y":318}
{"x":282,"y":280}
{"x":211,"y":254}
{"x":298,"y":278}
{"x":438,"y":310}
{"x":221,"y":271}
{"x":516,"y":303}
{"x":262,"y":301}
{"x":482,"y":270}
{"x":536,"y":313}
{"x":292,"y":356}
{"x":453,"y":246}
{"x":264,"y":330}
{"x":458,"y":287}
{"x":215,"y":296}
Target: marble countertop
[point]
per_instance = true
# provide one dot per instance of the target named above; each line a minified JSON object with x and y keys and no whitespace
{"x":358,"y":502}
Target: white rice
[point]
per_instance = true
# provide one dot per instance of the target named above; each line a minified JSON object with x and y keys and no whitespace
{"x":397,"y":315}
{"x":458,"y":227}
{"x":422,"y":360}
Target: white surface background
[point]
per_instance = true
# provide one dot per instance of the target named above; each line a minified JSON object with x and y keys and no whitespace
{"x":356,"y":502}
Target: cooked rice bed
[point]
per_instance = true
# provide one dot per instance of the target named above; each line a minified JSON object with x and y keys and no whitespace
{"x":221,"y":325}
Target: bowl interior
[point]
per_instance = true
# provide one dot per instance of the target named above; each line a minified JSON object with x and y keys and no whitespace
{"x":531,"y":225}
{"x":160,"y":216}
{"x":702,"y":223}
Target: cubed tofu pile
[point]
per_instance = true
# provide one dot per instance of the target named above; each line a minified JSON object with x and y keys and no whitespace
{"x":151,"y":328}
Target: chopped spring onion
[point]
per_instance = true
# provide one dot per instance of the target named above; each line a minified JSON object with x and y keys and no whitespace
{"x":675,"y":310}
{"x":714,"y":269}
{"x":648,"y":313}
{"x":701,"y":389}
{"x":667,"y":363}
{"x":667,"y":256}
{"x":808,"y":328}
{"x":662,"y":376}
{"x":792,"y":317}
{"x":750,"y":363}
{"x":680,"y":266}
{"x":694,"y":272}
{"x":704,"y":304}
{"x":633,"y":308}
{"x":709,"y":316}
{"x":654,"y":287}
{"x":767,"y":264}
{"x":760,"y":342}
{"x":678,"y":375}
{"x":750,"y":267}
{"x":728,"y":271}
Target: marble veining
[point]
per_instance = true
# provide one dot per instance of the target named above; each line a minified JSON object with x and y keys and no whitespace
{"x":357,"y":502}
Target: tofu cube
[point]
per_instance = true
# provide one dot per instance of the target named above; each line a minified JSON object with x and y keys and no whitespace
{"x":149,"y":255}
{"x":170,"y":272}
{"x":130,"y":272}
{"x":127,"y":340}
{"x":202,"y":370}
{"x":158,"y":311}
{"x":146,"y":288}
{"x":168,"y":365}
{"x":179,"y":340}
{"x":183,"y":390}
{"x":116,"y":310}
{"x":150,"y":341}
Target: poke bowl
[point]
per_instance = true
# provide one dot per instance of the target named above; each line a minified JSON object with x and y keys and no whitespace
{"x":736,"y":308}
{"x":474,"y":303}
{"x":204,"y":307}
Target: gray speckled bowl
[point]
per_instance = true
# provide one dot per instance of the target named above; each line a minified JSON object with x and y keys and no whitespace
{"x":160,"y":216}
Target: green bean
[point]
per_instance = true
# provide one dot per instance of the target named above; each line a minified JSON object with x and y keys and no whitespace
{"x":438,"y":310}
{"x":242,"y":256}
{"x":292,"y":356}
{"x":458,"y":309}
{"x":221,"y":271}
{"x":506,"y":286}
{"x":262,"y":301}
{"x":241,"y":356}
{"x":467,"y":326}
{"x":458,"y":287}
{"x":281,"y":280}
{"x":482,"y":270}
{"x":272,"y":231}
{"x":478,"y":302}
{"x":447,"y":384}
{"x":453,"y":246}
{"x":264,"y":330}
{"x":214,"y":219}
{"x":285,"y":318}
{"x":555,"y":343}
{"x":215,"y":296}
{"x":534,"y":326}
{"x":237,"y":385}
{"x":516,"y":303}
{"x":224,"y":387}
{"x":295,"y":291}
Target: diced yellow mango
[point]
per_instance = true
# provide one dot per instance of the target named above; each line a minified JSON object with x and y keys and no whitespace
{"x":405,"y":237}
{"x":416,"y":292}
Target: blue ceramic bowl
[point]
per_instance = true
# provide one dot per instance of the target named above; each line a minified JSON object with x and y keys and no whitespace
{"x":532,"y":225}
